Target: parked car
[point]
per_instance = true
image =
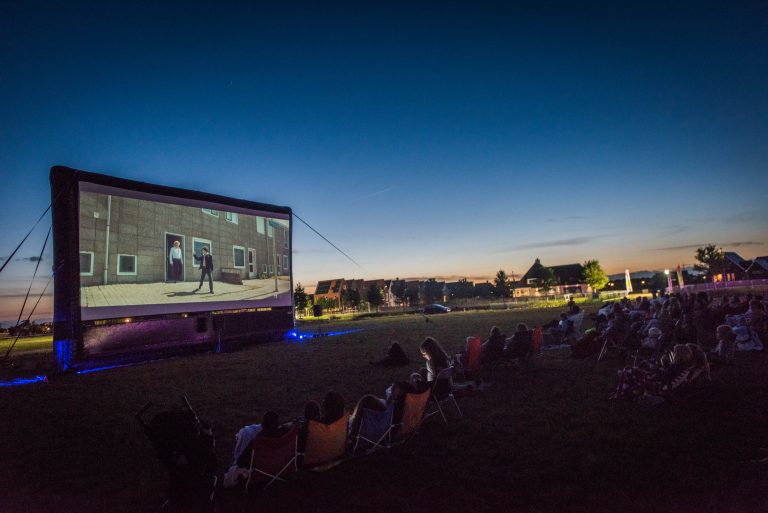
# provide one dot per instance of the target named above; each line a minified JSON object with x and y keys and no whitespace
{"x":436,"y":309}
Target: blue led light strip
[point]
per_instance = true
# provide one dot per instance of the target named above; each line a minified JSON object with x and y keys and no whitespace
{"x":24,"y":381}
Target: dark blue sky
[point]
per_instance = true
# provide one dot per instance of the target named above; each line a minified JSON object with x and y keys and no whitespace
{"x":449,"y":140}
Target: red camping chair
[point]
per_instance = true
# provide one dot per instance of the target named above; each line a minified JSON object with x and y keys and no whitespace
{"x":472,"y":363}
{"x":272,"y":458}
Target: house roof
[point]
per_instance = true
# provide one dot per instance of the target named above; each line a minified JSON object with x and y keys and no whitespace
{"x":565,"y":274}
{"x":734,"y":258}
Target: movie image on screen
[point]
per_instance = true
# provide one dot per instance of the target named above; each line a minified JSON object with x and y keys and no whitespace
{"x":145,"y":254}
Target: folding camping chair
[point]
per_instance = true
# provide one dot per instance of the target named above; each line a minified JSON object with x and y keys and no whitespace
{"x":472,"y":357}
{"x":413,"y":413}
{"x":326,"y":444}
{"x":272,"y":458}
{"x":442,"y":392}
{"x":375,"y":429}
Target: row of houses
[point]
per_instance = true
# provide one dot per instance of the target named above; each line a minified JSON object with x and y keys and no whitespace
{"x":569,"y":280}
{"x":737,"y":268}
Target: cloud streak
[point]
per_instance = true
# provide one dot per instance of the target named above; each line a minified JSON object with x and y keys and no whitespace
{"x":572,"y":241}
{"x":377,"y":193}
{"x":725,"y":245}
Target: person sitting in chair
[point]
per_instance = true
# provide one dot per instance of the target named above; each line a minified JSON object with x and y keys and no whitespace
{"x":493,"y":348}
{"x":436,"y":358}
{"x":521,"y":343}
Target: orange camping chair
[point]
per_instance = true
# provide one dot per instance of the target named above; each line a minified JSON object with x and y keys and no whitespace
{"x":326,"y":443}
{"x":413,"y":412}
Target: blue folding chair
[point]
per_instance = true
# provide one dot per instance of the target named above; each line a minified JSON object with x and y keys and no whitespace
{"x":375,"y":429}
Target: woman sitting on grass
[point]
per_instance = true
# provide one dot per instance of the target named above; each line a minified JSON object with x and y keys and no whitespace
{"x":436,"y":358}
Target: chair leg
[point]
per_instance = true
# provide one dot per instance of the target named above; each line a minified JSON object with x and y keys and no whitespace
{"x":457,"y":406}
{"x":603,"y":350}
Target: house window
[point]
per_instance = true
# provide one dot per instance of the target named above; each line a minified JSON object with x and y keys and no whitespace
{"x":260,"y":224}
{"x":197,"y":250}
{"x":285,"y":241}
{"x":531,"y":281}
{"x":285,"y":262}
{"x":271,"y":269}
{"x":270,"y":230}
{"x":264,"y":268}
{"x":231,"y":217}
{"x":238,"y":257}
{"x":126,"y":265}
{"x":211,"y":212}
{"x":86,"y":263}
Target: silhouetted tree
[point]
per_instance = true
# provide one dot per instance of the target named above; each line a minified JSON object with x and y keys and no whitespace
{"x":711,"y":260}
{"x":398,"y":290}
{"x":374,"y":296}
{"x":464,"y":289}
{"x":300,"y":298}
{"x":545,"y":278}
{"x":501,"y":287}
{"x":433,"y":291}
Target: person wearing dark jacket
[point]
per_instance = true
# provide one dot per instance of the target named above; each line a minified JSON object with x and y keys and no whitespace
{"x":206,"y":267}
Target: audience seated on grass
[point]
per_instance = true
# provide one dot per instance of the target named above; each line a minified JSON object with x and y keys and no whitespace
{"x":435,"y":356}
{"x":326,"y":441}
{"x":520,"y":345}
{"x":652,"y":382}
{"x":269,"y":428}
{"x":493,"y":348}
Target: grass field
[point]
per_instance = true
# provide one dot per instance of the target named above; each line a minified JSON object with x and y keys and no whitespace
{"x":546,"y":440}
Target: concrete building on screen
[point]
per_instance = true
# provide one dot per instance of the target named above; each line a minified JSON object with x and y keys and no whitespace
{"x":128,"y":240}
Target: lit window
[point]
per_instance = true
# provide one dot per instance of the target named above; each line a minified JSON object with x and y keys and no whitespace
{"x":126,"y":265}
{"x":86,"y":263}
{"x":238,"y":257}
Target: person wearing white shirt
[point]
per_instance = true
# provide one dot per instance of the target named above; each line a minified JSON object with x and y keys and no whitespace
{"x":175,"y":259}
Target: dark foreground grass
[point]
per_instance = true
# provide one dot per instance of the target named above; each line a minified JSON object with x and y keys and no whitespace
{"x":546,"y":440}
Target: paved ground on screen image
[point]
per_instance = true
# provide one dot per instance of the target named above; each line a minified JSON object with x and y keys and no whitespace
{"x":546,"y":440}
{"x":121,"y":294}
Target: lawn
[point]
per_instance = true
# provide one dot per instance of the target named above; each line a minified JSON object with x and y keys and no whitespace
{"x":546,"y":440}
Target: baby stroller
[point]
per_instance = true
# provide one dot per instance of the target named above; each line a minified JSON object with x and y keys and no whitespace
{"x":185,"y":446}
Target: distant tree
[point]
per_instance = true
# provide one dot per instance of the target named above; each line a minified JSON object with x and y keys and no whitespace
{"x":300,"y":298}
{"x":412,"y":296}
{"x":374,"y":296}
{"x":711,"y":260}
{"x":464,"y":289}
{"x":501,"y":286}
{"x":352,"y":297}
{"x":433,"y":291}
{"x":398,"y":290}
{"x":327,"y":303}
{"x":594,"y":276}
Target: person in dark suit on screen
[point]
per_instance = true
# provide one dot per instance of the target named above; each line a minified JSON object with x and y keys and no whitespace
{"x":206,"y":267}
